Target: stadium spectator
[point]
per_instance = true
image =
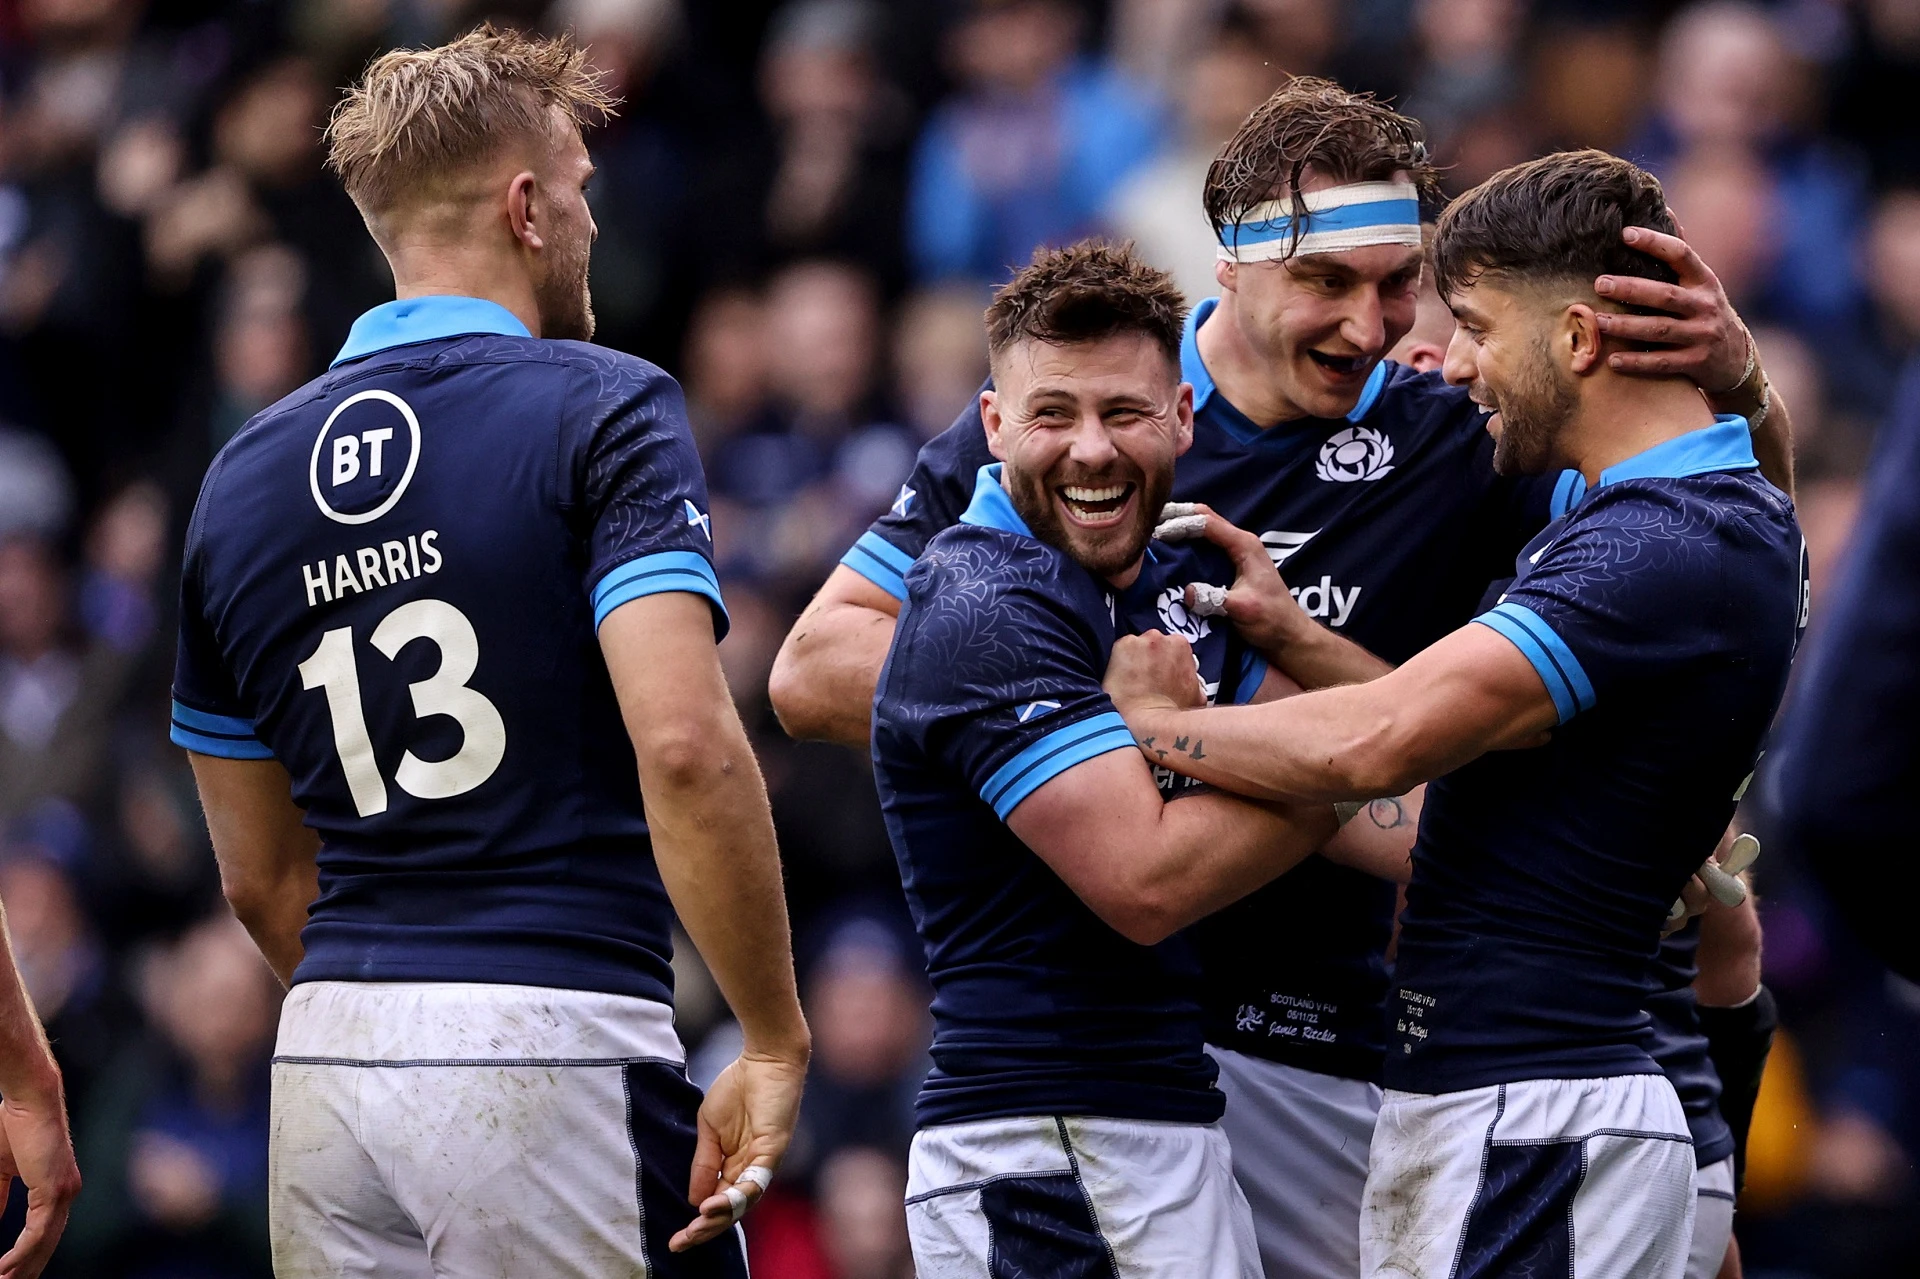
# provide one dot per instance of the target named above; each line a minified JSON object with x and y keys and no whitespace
{"x":1030,"y":149}
{"x":939,"y":356}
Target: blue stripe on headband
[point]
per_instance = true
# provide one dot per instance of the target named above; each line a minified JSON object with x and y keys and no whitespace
{"x":1346,"y":217}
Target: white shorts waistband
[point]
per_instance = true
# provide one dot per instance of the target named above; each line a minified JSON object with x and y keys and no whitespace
{"x":415,"y":1022}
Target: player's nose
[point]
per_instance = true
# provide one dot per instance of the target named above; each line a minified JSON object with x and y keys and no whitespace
{"x":1458,"y":367}
{"x":1091,"y":444}
{"x":1366,"y":326}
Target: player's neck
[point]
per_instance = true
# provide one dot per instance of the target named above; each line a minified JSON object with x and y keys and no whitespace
{"x":1240,"y":371}
{"x":1621,"y":417}
{"x":428,"y":270}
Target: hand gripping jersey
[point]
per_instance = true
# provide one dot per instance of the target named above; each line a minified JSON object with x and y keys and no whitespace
{"x":392,"y":584}
{"x":1661,"y":613}
{"x":1388,"y":525}
{"x":991,"y":689}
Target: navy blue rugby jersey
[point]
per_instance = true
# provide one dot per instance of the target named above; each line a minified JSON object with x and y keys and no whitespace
{"x":991,"y":689}
{"x":1662,"y":614}
{"x":1388,"y":526}
{"x":392,"y":583}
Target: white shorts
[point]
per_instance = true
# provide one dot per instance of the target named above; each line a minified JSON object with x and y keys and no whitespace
{"x":1300,"y":1143}
{"x":1586,"y":1178}
{"x":467,"y":1131}
{"x":1712,"y":1219}
{"x":1077,"y":1198}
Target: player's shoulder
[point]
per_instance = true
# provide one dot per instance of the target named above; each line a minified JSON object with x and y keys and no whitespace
{"x":1408,"y":395}
{"x":989,"y":565}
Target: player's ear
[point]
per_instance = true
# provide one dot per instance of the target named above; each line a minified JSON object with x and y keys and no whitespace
{"x":1580,"y":339}
{"x":1183,"y":419}
{"x":524,"y":216}
{"x":990,"y":419}
{"x":1223,"y":274}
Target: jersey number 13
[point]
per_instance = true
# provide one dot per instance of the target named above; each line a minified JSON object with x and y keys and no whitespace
{"x":445,"y":692}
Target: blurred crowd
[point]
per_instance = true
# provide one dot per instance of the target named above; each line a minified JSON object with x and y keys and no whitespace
{"x":802,"y":208}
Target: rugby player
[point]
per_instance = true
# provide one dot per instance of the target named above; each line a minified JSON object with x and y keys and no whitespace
{"x":1069,"y":1122}
{"x":1527,"y":1129}
{"x":448,"y":674}
{"x":34,"y":1142}
{"x":1373,"y":486}
{"x":1713,"y":1021}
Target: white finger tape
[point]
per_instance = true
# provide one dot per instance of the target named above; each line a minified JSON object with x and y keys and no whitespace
{"x":1744,"y":853}
{"x":759,"y":1174}
{"x":1208,"y":600}
{"x":1726,"y":889}
{"x":737,"y":1201}
{"x":1179,"y":510}
{"x":1181,"y":528}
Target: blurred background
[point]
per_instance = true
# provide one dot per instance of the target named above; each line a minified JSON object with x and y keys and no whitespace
{"x":802,"y":208}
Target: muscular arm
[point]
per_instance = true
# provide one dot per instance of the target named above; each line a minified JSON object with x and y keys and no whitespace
{"x":265,"y":850}
{"x":1379,"y":839}
{"x":1470,"y":693}
{"x":824,"y":676}
{"x":707,"y":808}
{"x":1147,"y":867}
{"x":713,"y":842}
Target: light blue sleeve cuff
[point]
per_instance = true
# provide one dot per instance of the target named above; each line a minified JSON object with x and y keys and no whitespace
{"x":1567,"y":492}
{"x":1559,"y":669}
{"x":222,"y":736}
{"x":652,"y":574}
{"x":1053,"y":755}
{"x":880,"y":562}
{"x":1253,"y":673}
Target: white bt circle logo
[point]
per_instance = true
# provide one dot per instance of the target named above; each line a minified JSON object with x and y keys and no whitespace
{"x":1177,"y":619}
{"x":1357,"y":453}
{"x":363,"y":460}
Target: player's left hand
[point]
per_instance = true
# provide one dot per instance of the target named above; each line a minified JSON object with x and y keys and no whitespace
{"x":744,"y":1127}
{"x":1153,"y":670}
{"x":35,"y":1147}
{"x":1258,"y":603}
{"x":1702,"y":336}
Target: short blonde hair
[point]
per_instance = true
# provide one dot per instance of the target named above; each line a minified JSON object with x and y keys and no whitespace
{"x":418,"y":116}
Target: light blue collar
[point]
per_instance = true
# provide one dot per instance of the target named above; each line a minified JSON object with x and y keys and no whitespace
{"x":423,"y":319}
{"x":1194,"y":370}
{"x":1727,"y":445}
{"x":991,"y":507}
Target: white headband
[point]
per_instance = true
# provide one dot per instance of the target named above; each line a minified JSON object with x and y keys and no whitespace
{"x":1338,"y":219}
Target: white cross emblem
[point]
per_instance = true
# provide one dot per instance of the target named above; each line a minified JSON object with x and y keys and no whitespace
{"x":696,"y":517}
{"x":904,"y":503}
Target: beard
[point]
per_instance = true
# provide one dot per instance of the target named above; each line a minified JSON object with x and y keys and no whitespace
{"x":1103,"y":552}
{"x":566,"y":304}
{"x":1533,"y":409}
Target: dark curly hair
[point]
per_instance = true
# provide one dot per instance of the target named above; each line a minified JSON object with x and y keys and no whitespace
{"x":1085,"y":292}
{"x":1314,"y":124}
{"x":1555,"y":219}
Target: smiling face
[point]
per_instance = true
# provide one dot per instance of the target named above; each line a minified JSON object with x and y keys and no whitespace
{"x":1322,"y":321}
{"x":1503,"y":352}
{"x":1088,"y":432}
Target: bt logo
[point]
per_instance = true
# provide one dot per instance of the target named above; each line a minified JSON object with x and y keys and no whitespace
{"x":362,"y":460}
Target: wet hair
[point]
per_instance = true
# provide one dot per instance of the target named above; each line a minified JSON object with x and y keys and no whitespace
{"x":1553,"y":220}
{"x":418,"y":117}
{"x":1312,"y":125}
{"x":1085,"y":292}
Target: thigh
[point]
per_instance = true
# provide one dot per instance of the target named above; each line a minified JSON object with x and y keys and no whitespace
{"x":1300,"y":1145}
{"x":574,"y":1171}
{"x":1712,"y":1220}
{"x":330,"y":1213}
{"x":1079,"y":1199}
{"x":1422,"y":1180}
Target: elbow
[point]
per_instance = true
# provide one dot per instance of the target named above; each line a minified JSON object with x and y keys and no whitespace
{"x":249,"y":895}
{"x":1378,"y":761}
{"x":1146,"y":914}
{"x":790,"y":689}
{"x":688,"y":754}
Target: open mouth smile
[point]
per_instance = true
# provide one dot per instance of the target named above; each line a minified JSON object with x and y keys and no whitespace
{"x":1091,"y":507}
{"x":1341,"y":366}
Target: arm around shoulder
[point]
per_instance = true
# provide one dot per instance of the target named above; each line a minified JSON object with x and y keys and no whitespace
{"x":824,"y":676}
